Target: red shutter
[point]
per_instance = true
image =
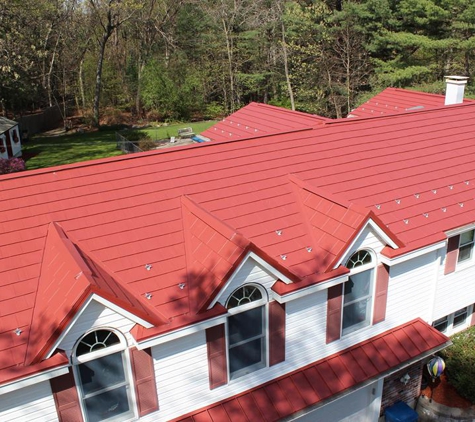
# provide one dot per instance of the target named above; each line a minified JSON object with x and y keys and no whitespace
{"x":217,"y":365}
{"x":276,"y":332}
{"x":381,"y":293}
{"x":452,"y":254}
{"x":144,"y":380}
{"x":472,"y":322}
{"x":66,"y":398}
{"x":334,"y":305}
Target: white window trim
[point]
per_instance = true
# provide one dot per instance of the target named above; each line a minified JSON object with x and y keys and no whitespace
{"x":264,"y":302}
{"x":129,"y":379}
{"x":450,"y":330}
{"x":372,"y":266}
{"x":460,"y":265}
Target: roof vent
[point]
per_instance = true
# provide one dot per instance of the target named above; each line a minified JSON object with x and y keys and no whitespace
{"x":455,"y":88}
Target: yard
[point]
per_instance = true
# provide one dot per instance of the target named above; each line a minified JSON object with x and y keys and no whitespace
{"x":56,"y":148}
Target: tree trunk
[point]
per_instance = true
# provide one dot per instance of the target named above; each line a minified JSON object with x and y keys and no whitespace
{"x":286,"y":69}
{"x":97,"y":91}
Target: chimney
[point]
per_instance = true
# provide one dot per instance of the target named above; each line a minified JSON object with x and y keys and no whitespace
{"x":455,"y":87}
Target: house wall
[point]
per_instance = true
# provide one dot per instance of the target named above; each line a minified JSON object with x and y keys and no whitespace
{"x":34,"y":403}
{"x":16,"y":146}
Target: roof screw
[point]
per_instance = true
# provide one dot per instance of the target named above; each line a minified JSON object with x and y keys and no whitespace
{"x":461,"y":204}
{"x":378,"y":206}
{"x":434,"y":191}
{"x":444,"y":209}
{"x":182,"y":286}
{"x":18,"y":331}
{"x":417,"y":195}
{"x":79,"y":274}
{"x":148,"y":267}
{"x":406,"y":221}
{"x":467,"y":182}
{"x":279,"y":232}
{"x":426,"y":214}
{"x":148,"y":296}
{"x":451,"y":187}
{"x":284,"y":257}
{"x":398,"y":201}
{"x":309,"y":249}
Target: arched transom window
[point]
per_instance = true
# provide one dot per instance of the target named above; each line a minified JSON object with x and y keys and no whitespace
{"x":103,"y":380}
{"x":246,"y":330}
{"x":358,"y":298}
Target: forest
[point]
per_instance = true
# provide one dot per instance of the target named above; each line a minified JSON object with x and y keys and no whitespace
{"x":199,"y":59}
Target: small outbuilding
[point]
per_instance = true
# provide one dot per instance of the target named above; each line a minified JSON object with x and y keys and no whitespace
{"x":10,"y":142}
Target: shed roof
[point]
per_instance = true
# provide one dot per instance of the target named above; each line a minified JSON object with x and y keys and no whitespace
{"x":135,"y":217}
{"x":6,"y":124}
{"x":329,"y":377}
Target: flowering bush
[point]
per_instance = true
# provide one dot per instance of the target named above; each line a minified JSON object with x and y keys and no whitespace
{"x":11,"y":165}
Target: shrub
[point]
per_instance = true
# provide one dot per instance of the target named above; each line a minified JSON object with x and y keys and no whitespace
{"x":460,"y":363}
{"x":11,"y":165}
{"x":147,"y":144}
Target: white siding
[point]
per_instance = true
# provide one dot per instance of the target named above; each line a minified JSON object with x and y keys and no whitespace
{"x":34,"y":404}
{"x":411,"y":290}
{"x":95,"y":315}
{"x":250,"y":272}
{"x":368,"y":239}
{"x":454,"y":291}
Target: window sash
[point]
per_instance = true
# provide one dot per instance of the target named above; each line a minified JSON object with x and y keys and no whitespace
{"x":466,"y":246}
{"x":460,"y":317}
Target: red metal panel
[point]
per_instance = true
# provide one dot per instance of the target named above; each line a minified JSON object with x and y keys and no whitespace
{"x":452,"y":254}
{"x":304,"y":388}
{"x":218,"y":413}
{"x":292,"y":393}
{"x":328,"y":374}
{"x":279,"y":399}
{"x":265,"y":405}
{"x":144,"y":380}
{"x":235,"y":411}
{"x":250,"y":407}
{"x":217,"y":366}
{"x":334,"y":306}
{"x":276,"y":332}
{"x":317,"y":382}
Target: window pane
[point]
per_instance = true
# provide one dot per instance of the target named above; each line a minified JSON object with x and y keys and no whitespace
{"x":358,"y":286}
{"x":101,"y":373}
{"x":356,"y":313}
{"x":245,"y":355}
{"x":460,"y":317}
{"x":245,"y":325}
{"x":107,"y":405}
{"x":441,"y":324}
{"x":466,"y":237}
{"x":465,"y":252}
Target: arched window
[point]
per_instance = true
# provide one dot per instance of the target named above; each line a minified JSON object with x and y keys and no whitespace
{"x":246,"y":330}
{"x":358,"y":297}
{"x":102,"y":377}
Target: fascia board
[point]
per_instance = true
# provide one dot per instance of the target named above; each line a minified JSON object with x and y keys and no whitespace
{"x":413,"y":254}
{"x":324,"y":285}
{"x":251,"y":255}
{"x":106,"y":303}
{"x":378,"y":231}
{"x":182,"y":332}
{"x":34,"y":379}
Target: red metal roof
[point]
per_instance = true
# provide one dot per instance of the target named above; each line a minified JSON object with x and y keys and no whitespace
{"x":336,"y":374}
{"x":397,"y":100}
{"x":256,"y":119}
{"x":413,"y":173}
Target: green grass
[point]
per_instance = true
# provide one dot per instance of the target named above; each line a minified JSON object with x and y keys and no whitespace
{"x":47,"y":151}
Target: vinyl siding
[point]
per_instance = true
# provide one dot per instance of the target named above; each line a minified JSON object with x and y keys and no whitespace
{"x":34,"y":404}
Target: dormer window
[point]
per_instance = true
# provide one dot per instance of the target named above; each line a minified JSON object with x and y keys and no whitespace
{"x":358,"y":292}
{"x":102,"y":376}
{"x":246,"y":330}
{"x":466,"y":246}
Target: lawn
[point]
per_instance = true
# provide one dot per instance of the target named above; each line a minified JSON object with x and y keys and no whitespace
{"x":47,"y":151}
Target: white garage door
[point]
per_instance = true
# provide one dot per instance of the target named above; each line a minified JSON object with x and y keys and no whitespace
{"x":358,"y":406}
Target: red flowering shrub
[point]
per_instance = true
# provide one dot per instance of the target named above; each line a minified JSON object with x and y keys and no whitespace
{"x":11,"y":165}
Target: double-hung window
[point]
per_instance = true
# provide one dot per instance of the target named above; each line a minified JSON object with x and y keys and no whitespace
{"x":102,"y":377}
{"x":466,"y":246}
{"x":246,"y":328}
{"x":358,"y":292}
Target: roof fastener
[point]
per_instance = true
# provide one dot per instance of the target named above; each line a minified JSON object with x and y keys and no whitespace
{"x":426,"y":214}
{"x":182,"y":286}
{"x":451,"y":187}
{"x":417,"y":195}
{"x":406,"y":221}
{"x":18,"y":331}
{"x":279,"y":232}
{"x":309,"y":249}
{"x":434,"y":191}
{"x":398,"y":201}
{"x":444,"y":209}
{"x":148,"y":295}
{"x":283,"y":257}
{"x":378,"y":206}
{"x":467,"y":182}
{"x":461,"y":204}
{"x":148,"y":267}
